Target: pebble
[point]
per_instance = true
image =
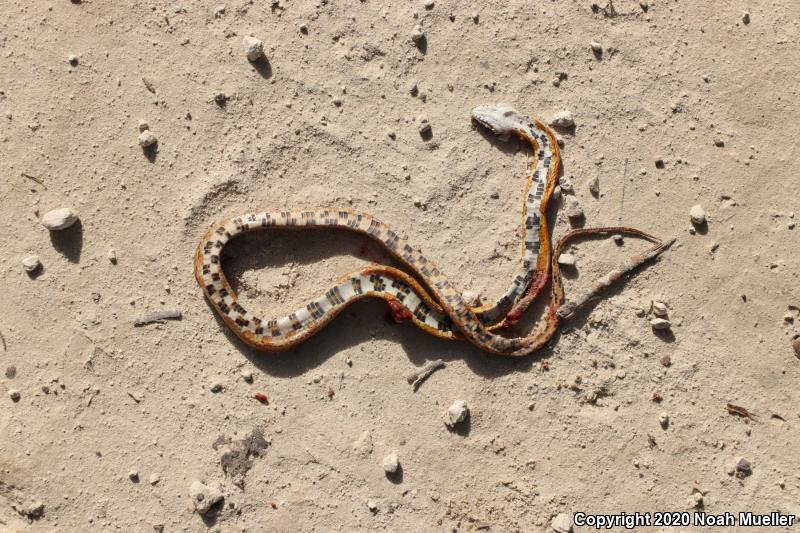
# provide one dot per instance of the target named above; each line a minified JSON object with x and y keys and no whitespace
{"x":618,"y":240}
{"x":391,"y":463}
{"x":57,"y":219}
{"x":697,"y":215}
{"x":696,"y":501}
{"x":456,"y":413}
{"x":247,"y":376}
{"x":31,"y":263}
{"x":472,"y":298}
{"x":73,"y":60}
{"x":557,"y":192}
{"x":133,"y":475}
{"x":597,"y":48}
{"x":423,"y":125}
{"x":143,"y":125}
{"x":663,"y":419}
{"x":219,"y":11}
{"x":363,"y":445}
{"x":659,"y":163}
{"x":253,"y":48}
{"x":660,"y":309}
{"x":475,"y":17}
{"x":146,"y":138}
{"x":372,"y":506}
{"x":14,"y":395}
{"x":215,"y":386}
{"x":561,"y":523}
{"x":11,"y":372}
{"x":659,"y":323}
{"x":746,"y":17}
{"x":566,"y":260}
{"x":796,"y":345}
{"x":154,"y":479}
{"x":112,"y":256}
{"x":743,"y":468}
{"x":220,"y":98}
{"x":428,"y":4}
{"x":719,"y":143}
{"x":418,"y":36}
{"x":563,"y":119}
{"x":574,"y":209}
{"x":204,"y":497}
{"x":413,"y":89}
{"x":594,"y":186}
{"x":565,"y":183}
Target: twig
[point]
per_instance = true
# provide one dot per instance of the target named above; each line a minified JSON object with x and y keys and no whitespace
{"x":417,"y":377}
{"x":34,"y":178}
{"x":622,"y":199}
{"x":134,"y":398}
{"x":739,"y":411}
{"x":157,"y":317}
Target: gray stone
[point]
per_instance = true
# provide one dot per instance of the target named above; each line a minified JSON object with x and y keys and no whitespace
{"x":659,"y":323}
{"x":456,"y":413}
{"x":574,"y":209}
{"x":561,"y":523}
{"x":57,"y":219}
{"x":697,"y":215}
{"x":563,"y":119}
{"x":31,"y":263}
{"x":253,"y":48}
{"x":204,"y":497}
{"x":566,"y":260}
{"x":14,"y":395}
{"x":391,"y":463}
{"x":147,"y":138}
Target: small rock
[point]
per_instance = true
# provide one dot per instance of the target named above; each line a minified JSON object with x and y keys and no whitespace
{"x":566,"y":260}
{"x":73,"y":60}
{"x":11,"y":372}
{"x":247,"y":376}
{"x":594,"y":186}
{"x":391,"y":463}
{"x":253,"y":48}
{"x":743,"y":468}
{"x":456,"y":413}
{"x":428,"y":4}
{"x":133,"y":475}
{"x":220,"y":98}
{"x":14,"y":395}
{"x":796,"y":345}
{"x":557,"y":192}
{"x":618,"y":240}
{"x":112,"y":256}
{"x":154,"y":479}
{"x":719,"y":143}
{"x":660,"y":309}
{"x":219,"y":11}
{"x":372,"y":506}
{"x":746,"y":17}
{"x":561,"y":523}
{"x":31,"y":263}
{"x":337,"y":102}
{"x":494,"y":195}
{"x":146,"y":139}
{"x":663,"y":419}
{"x":304,"y":29}
{"x":215,"y":386}
{"x":59,"y":219}
{"x":475,"y":17}
{"x":597,"y":48}
{"x":696,"y":501}
{"x":472,"y":298}
{"x":363,"y":445}
{"x":32,"y":509}
{"x":143,"y":125}
{"x":563,"y":119}
{"x":413,"y":89}
{"x":423,"y":125}
{"x":204,"y":497}
{"x":418,"y":36}
{"x":660,"y":323}
{"x":697,"y":215}
{"x":665,"y":360}
{"x":574,"y":209}
{"x":659,"y":163}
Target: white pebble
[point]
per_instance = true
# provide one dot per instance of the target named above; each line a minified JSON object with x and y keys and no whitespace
{"x":566,"y":260}
{"x":215,"y":386}
{"x":618,"y":239}
{"x":133,"y":475}
{"x":154,"y":479}
{"x":143,"y":125}
{"x":14,"y":395}
{"x":594,"y":186}
{"x":204,"y":497}
{"x":418,"y":36}
{"x":57,"y":219}
{"x":247,"y":376}
{"x":146,"y":138}
{"x":698,"y":215}
{"x":660,"y":309}
{"x":663,"y":419}
{"x":563,"y":119}
{"x":253,"y":48}
{"x":73,"y":59}
{"x":472,"y":298}
{"x":31,"y":263}
{"x":391,"y":463}
{"x":565,"y":183}
{"x":372,"y":506}
{"x":597,"y":48}
{"x":428,"y":4}
{"x":561,"y":523}
{"x":557,"y":192}
{"x":659,"y":323}
{"x":423,"y":125}
{"x":112,"y":256}
{"x":456,"y":413}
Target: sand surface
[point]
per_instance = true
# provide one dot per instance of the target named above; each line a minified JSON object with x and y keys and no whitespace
{"x":689,"y":83}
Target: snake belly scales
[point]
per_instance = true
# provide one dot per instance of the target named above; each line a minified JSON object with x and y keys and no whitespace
{"x":426,"y":298}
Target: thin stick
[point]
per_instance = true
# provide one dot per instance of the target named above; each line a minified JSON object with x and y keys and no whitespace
{"x":417,"y":377}
{"x":622,"y":199}
{"x":157,"y":317}
{"x":34,"y":178}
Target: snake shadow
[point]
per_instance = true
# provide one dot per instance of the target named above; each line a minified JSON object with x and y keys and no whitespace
{"x":362,"y":324}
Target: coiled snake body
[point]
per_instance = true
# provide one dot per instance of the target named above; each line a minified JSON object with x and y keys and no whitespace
{"x":427,"y":299}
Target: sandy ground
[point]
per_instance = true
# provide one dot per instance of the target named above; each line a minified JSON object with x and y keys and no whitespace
{"x":100,"y":399}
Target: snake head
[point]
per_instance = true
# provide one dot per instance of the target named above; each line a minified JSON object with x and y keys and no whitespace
{"x":501,"y":119}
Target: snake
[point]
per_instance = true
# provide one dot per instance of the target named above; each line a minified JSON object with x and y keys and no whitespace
{"x":421,"y":293}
